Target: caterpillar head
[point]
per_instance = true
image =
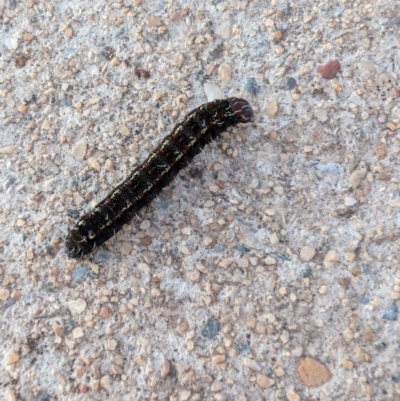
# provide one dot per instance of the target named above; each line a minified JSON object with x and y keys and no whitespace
{"x":241,"y":108}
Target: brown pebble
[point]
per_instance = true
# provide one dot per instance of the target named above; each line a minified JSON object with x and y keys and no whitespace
{"x":218,"y":358}
{"x":28,"y":37}
{"x":46,"y":126}
{"x":182,"y":327}
{"x":141,"y":73}
{"x":68,"y":32}
{"x":380,"y":152}
{"x":277,"y":36}
{"x":22,"y":109}
{"x":344,"y":281}
{"x":347,"y":363}
{"x":337,"y":87}
{"x":104,"y":312}
{"x":312,"y":372}
{"x":15,"y":295}
{"x":83,"y":388}
{"x":292,"y":396}
{"x":193,"y":276}
{"x":12,"y":358}
{"x":175,"y":16}
{"x":391,"y":126}
{"x":329,"y":70}
{"x":383,"y":176}
{"x":395,"y":93}
{"x":20,"y":61}
{"x":55,"y":243}
{"x":355,"y":271}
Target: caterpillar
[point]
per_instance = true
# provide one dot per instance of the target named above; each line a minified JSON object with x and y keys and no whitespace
{"x":146,"y":181}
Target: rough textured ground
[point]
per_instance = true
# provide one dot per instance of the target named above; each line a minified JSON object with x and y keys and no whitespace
{"x":269,"y":270}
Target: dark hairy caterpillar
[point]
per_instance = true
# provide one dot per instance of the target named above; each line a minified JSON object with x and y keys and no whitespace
{"x":146,"y":181}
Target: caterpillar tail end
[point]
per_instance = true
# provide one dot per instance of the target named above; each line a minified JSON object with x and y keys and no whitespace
{"x":76,"y":245}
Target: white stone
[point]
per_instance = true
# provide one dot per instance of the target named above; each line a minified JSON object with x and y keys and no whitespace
{"x":77,"y":305}
{"x":79,"y":150}
{"x":212,"y":92}
{"x":224,"y":30}
{"x":349,"y":201}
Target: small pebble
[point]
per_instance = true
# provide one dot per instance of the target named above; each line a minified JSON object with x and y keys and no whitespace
{"x":109,"y":165}
{"x":312,"y":372}
{"x":223,"y":30}
{"x":216,"y":386}
{"x":331,"y":258}
{"x":145,"y":225}
{"x":225,"y":72}
{"x":104,"y":312}
{"x":271,"y":109}
{"x":165,"y":367}
{"x":269,"y":260}
{"x":307,"y":253}
{"x":362,"y":355}
{"x":218,"y":359}
{"x":277,"y":36}
{"x":211,"y":328}
{"x":321,"y":114}
{"x":124,"y":130}
{"x":250,"y":85}
{"x":46,"y":126}
{"x":306,"y":272}
{"x":22,"y":109}
{"x":392,"y":313}
{"x":7,"y":150}
{"x":380,"y":152}
{"x":251,"y":364}
{"x":105,"y":383}
{"x":292,"y":396}
{"x":80,"y":273}
{"x":329,"y":70}
{"x":193,"y":276}
{"x":285,"y":336}
{"x":4,"y":294}
{"x":153,"y":21}
{"x":12,"y":358}
{"x":79,"y":150}
{"x":77,"y":332}
{"x":347,"y":363}
{"x":349,"y":201}
{"x":77,"y":306}
{"x":264,"y":381}
{"x":10,"y":395}
{"x":344,"y":281}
